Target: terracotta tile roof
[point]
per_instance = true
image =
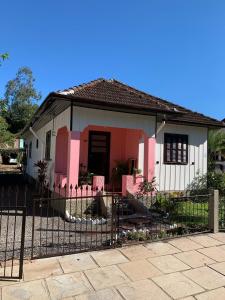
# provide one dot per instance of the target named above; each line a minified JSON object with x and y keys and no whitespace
{"x":113,"y":92}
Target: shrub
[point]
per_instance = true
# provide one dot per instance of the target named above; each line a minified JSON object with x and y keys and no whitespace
{"x":146,"y":187}
{"x":42,"y":166}
{"x":202,"y":183}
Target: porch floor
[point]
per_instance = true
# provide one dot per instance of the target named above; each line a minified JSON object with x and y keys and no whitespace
{"x":184,"y":268}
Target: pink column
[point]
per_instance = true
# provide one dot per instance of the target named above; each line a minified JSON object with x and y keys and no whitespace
{"x":73,"y":158}
{"x":149,"y":157}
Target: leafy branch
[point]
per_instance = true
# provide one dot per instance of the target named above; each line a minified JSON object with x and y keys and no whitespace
{"x":3,"y":57}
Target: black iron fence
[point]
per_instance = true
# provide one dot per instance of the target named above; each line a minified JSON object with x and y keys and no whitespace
{"x":161,"y":215}
{"x":65,"y":220}
{"x":12,"y":229}
{"x":12,"y":235}
{"x":75,"y":220}
{"x":13,"y":211}
{"x":72,"y":220}
{"x":222,"y":212}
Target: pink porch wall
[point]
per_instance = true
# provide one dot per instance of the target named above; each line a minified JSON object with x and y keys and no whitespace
{"x":132,"y":142}
{"x":124,"y":144}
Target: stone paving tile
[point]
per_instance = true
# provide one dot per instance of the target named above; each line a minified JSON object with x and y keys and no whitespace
{"x":188,"y":298}
{"x":216,"y":253}
{"x":68,"y":285}
{"x":106,"y":277}
{"x":194,"y":259}
{"x":177,"y":285}
{"x":8,"y":273}
{"x":136,"y":252}
{"x":108,"y":257}
{"x":218,"y":294}
{"x":33,"y":290}
{"x":206,"y":277}
{"x":41,"y":269}
{"x":220,"y":236}
{"x":138,"y":270}
{"x":205,"y":240}
{"x":161,"y":248}
{"x":107,"y":294}
{"x":142,"y":290}
{"x":168,"y":264}
{"x":222,"y":247}
{"x":77,"y":262}
{"x":185,"y":244}
{"x":219,"y":267}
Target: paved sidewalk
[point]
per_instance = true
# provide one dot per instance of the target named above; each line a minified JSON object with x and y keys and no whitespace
{"x":184,"y":268}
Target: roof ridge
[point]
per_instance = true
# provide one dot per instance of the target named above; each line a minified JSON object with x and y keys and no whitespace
{"x":82,"y":85}
{"x":163,"y":100}
{"x":143,"y":98}
{"x":155,"y":99}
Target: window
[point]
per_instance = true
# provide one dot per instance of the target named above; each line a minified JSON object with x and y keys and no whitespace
{"x":37,"y":143}
{"x":175,"y":148}
{"x":48,"y":145}
{"x":30,"y":149}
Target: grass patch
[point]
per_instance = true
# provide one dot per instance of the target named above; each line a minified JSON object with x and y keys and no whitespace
{"x":188,"y":212}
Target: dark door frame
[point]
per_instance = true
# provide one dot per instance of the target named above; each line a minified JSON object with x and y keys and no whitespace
{"x":108,"y":146}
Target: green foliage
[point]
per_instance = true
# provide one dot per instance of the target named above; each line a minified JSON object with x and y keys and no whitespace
{"x":6,"y":138}
{"x":85,"y":177}
{"x":216,"y":144}
{"x":192,"y":212}
{"x":20,"y":100}
{"x":147,"y":187}
{"x":212,"y":180}
{"x":163,"y":202}
{"x":42,"y":167}
{"x":3,"y":57}
{"x":137,"y":236}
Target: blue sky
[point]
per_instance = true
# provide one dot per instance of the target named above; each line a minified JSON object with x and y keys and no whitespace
{"x":174,"y":49}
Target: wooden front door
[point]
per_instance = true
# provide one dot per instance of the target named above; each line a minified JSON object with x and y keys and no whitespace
{"x":98,"y":153}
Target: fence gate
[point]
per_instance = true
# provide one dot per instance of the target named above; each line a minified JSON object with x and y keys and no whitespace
{"x":12,"y":235}
{"x":13,"y":195}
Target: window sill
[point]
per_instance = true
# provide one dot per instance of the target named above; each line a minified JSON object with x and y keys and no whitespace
{"x":175,"y":163}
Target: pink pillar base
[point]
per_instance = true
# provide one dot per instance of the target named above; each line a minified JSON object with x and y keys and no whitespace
{"x":130,"y":184}
{"x":127,"y":184}
{"x":98,"y":182}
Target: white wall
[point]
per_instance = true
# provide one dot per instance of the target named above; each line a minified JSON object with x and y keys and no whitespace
{"x":169,"y":177}
{"x":177,"y":177}
{"x":61,"y":120}
{"x":82,"y":117}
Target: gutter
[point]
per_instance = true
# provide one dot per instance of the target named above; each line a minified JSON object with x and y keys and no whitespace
{"x":35,"y":135}
{"x":160,"y":127}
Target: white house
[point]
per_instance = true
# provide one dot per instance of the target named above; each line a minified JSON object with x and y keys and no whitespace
{"x":92,"y":127}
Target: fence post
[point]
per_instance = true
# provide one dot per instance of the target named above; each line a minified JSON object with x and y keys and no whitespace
{"x":214,"y":211}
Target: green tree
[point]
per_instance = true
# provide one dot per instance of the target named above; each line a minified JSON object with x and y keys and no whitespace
{"x":216,"y":145}
{"x":3,"y":56}
{"x":20,"y":100}
{"x":6,"y":138}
